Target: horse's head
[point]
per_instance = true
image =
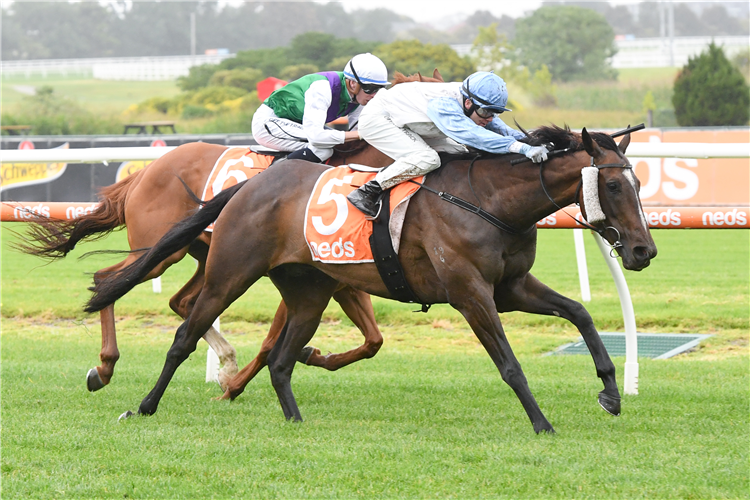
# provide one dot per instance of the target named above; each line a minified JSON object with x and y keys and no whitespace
{"x":609,"y":200}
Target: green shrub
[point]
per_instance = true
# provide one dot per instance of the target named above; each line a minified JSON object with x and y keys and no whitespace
{"x":241,"y":78}
{"x":191,"y":111}
{"x":215,"y":95}
{"x":159,"y":104}
{"x":710,"y":91}
{"x":742,"y":61}
{"x":411,"y":56}
{"x":291,"y":73}
{"x":197,"y":77}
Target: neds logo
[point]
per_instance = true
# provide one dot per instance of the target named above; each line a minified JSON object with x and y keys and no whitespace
{"x":29,"y":211}
{"x":731,"y":218}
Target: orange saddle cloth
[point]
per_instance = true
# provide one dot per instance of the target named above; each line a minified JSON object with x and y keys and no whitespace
{"x":233,"y":166}
{"x":335,"y":231}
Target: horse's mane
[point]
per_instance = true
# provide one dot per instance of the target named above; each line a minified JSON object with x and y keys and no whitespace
{"x":563,"y":137}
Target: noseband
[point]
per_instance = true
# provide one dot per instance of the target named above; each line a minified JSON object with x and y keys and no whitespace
{"x":601,"y":232}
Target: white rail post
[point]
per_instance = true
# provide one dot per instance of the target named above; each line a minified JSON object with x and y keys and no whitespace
{"x":583,"y":271}
{"x":628,"y":315}
{"x":156,"y":284}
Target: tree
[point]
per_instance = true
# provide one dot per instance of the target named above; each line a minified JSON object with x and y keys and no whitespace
{"x":411,"y":56}
{"x":574,"y":43}
{"x":710,"y":91}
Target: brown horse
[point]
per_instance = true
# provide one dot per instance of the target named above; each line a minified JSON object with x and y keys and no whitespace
{"x":449,"y":255}
{"x":148,"y":203}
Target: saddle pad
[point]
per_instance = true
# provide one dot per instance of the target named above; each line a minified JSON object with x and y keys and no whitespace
{"x":335,"y":231}
{"x":233,"y":166}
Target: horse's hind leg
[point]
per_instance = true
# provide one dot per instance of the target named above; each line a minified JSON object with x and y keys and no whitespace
{"x":183,"y":302}
{"x":531,"y":295}
{"x":222,"y":287}
{"x":358,"y":307}
{"x":306,"y":292}
{"x":236,"y":385}
{"x":101,"y":375}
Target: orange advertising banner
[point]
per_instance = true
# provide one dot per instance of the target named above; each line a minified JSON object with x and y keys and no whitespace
{"x":14,"y":211}
{"x":687,"y":181}
{"x":725,"y":217}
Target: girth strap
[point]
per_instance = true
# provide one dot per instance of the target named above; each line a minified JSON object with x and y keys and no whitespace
{"x":386,"y":259}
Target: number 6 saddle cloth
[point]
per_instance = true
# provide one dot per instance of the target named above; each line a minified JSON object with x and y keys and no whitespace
{"x":235,"y":165}
{"x":338,"y":233}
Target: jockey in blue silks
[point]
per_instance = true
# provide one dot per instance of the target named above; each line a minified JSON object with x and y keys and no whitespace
{"x":294,"y":117}
{"x":408,"y":122}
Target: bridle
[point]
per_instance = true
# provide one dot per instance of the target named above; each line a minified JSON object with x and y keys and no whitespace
{"x":601,"y":232}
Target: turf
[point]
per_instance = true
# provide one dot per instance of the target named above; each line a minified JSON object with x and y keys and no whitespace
{"x":410,"y":423}
{"x":428,"y":417}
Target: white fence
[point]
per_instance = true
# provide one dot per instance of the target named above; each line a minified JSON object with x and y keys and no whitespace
{"x":659,"y":52}
{"x":112,"y":68}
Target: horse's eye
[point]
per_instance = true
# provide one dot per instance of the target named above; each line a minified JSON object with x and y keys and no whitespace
{"x":613,"y":187}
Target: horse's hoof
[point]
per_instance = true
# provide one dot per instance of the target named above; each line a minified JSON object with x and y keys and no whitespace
{"x":546,"y":428}
{"x":610,"y":404}
{"x":94,"y":381}
{"x":127,"y":414}
{"x":304,"y":356}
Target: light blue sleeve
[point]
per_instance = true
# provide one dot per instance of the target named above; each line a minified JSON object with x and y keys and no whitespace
{"x":447,"y":114}
{"x":499,"y":126}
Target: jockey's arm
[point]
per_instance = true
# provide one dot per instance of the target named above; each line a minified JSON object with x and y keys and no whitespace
{"x":317,"y":100}
{"x":447,"y":114}
{"x":499,"y":126}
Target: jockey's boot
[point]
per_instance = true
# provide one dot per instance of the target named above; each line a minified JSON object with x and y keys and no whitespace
{"x":303,"y":154}
{"x":365,"y":198}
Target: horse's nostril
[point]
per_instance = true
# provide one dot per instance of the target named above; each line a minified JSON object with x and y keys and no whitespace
{"x":642,"y":253}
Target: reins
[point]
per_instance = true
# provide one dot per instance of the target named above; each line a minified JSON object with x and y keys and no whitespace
{"x":478,"y":210}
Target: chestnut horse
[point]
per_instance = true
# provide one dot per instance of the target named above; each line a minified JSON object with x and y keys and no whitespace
{"x":449,"y":255}
{"x":148,"y":203}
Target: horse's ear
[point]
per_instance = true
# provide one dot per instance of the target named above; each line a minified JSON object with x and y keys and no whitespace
{"x":624,"y":143}
{"x":592,"y":148}
{"x":437,"y":76}
{"x":421,"y":79}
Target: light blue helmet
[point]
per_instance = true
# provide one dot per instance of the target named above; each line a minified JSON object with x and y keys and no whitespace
{"x":486,"y":90}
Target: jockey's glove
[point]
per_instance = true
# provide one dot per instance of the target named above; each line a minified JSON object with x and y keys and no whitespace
{"x":537,"y":154}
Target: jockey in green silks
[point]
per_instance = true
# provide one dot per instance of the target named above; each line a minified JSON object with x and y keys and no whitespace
{"x":294,"y":117}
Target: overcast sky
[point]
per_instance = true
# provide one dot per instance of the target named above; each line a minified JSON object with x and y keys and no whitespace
{"x":423,"y":10}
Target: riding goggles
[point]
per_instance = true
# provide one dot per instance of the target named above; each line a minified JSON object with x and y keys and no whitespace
{"x":486,"y":113}
{"x":367,"y":88}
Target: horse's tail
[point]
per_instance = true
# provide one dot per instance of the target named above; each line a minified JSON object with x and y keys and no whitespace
{"x":114,"y":286}
{"x":53,"y":239}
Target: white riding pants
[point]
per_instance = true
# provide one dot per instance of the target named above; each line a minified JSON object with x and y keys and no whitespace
{"x":413,"y":154}
{"x":283,"y":134}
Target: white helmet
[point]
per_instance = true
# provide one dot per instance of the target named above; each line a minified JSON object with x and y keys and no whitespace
{"x":367,"y":70}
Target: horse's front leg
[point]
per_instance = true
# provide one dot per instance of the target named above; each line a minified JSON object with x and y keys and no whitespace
{"x":475,"y":302}
{"x":358,"y":307}
{"x":528,"y":294}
